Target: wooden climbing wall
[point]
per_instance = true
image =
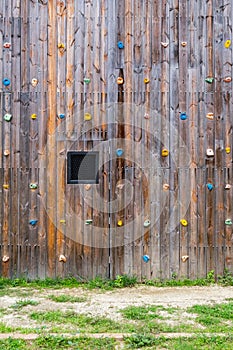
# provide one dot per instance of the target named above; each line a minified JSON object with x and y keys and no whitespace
{"x":147,"y":85}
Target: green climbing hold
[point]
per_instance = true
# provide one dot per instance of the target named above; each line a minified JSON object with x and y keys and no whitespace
{"x":228,"y":222}
{"x":7,"y":117}
{"x":209,"y":80}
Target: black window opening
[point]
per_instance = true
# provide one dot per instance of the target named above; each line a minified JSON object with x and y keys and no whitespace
{"x":82,"y":167}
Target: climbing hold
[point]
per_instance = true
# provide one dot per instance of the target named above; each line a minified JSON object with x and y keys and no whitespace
{"x":184,"y":222}
{"x":164,"y":44}
{"x":119,"y":223}
{"x":6,"y":82}
{"x":183,"y":43}
{"x":120,"y":45}
{"x":210,"y":115}
{"x":62,"y":258}
{"x":120,"y":81}
{"x":228,"y":222}
{"x":34,"y":82}
{"x":87,"y":187}
{"x":6,"y":153}
{"x":88,"y":221}
{"x":146,"y":258}
{"x":87,"y":80}
{"x":165,"y":152}
{"x":209,"y":80}
{"x":228,"y":150}
{"x":227,"y":44}
{"x":33,"y":222}
{"x":62,"y":221}
{"x":5,"y":258}
{"x":209,"y":152}
{"x":146,"y":223}
{"x":87,"y":116}
{"x":146,"y":116}
{"x":5,"y":186}
{"x":61,"y":46}
{"x":119,"y":152}
{"x":7,"y":117}
{"x":33,"y":186}
{"x":185,"y":258}
{"x":183,"y":116}
{"x":146,"y":80}
{"x":7,"y":45}
{"x":166,"y":187}
{"x":62,"y":116}
{"x":227,"y":79}
{"x":33,"y":116}
{"x":210,"y":186}
{"x":227,"y":187}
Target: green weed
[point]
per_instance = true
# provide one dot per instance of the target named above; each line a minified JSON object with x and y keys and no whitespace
{"x":141,"y":312}
{"x":13,"y":344}
{"x":67,"y":299}
{"x":22,"y":303}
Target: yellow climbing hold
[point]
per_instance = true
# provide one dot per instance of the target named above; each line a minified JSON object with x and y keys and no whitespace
{"x":228,"y":150}
{"x":165,"y":152}
{"x":120,"y":223}
{"x":87,"y":116}
{"x":184,"y":222}
{"x":62,"y":221}
{"x":146,"y":80}
{"x":227,"y":43}
{"x":61,"y":46}
{"x":33,"y":116}
{"x":5,"y":186}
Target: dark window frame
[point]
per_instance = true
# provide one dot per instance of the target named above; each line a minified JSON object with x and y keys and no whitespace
{"x":82,"y":154}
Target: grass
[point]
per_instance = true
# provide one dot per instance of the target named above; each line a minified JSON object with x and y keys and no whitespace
{"x":22,"y":303}
{"x":141,"y":312}
{"x":64,"y":298}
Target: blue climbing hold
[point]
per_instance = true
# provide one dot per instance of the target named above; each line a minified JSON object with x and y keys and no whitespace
{"x":62,"y":116}
{"x":120,"y":45}
{"x":33,"y":222}
{"x":6,"y":82}
{"x":119,"y":152}
{"x":210,"y":187}
{"x":146,"y":258}
{"x":183,"y":116}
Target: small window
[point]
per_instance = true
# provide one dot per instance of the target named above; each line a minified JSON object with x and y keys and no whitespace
{"x":82,"y":167}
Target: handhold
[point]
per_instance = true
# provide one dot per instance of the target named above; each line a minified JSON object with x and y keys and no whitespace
{"x":209,"y":152}
{"x":183,"y":116}
{"x":87,"y":187}
{"x":210,"y":115}
{"x":183,"y":43}
{"x":62,"y":116}
{"x":228,"y":150}
{"x":5,"y":186}
{"x":227,"y":44}
{"x":62,"y":258}
{"x":120,"y":45}
{"x":33,"y":222}
{"x":185,"y":258}
{"x":6,"y":82}
{"x":146,"y":80}
{"x":33,"y":116}
{"x":34,"y":82}
{"x":119,"y":152}
{"x":119,"y":223}
{"x":184,"y":222}
{"x":88,"y":221}
{"x":7,"y":117}
{"x":165,"y":152}
{"x":87,"y":80}
{"x":146,"y":116}
{"x":61,"y":46}
{"x":5,"y":258}
{"x":146,"y":223}
{"x":62,"y":221}
{"x":227,"y":79}
{"x":33,"y":186}
{"x":228,"y":222}
{"x":6,"y":153}
{"x":7,"y":45}
{"x":164,"y":44}
{"x":166,"y":187}
{"x":210,"y":187}
{"x":87,"y":116}
{"x":209,"y":80}
{"x":120,"y":81}
{"x":227,"y":187}
{"x":146,"y":258}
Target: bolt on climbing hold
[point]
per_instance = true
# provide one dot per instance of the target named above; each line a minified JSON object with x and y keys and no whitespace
{"x":62,"y":116}
{"x":120,"y":81}
{"x":210,"y":115}
{"x":119,"y":152}
{"x":61,"y":46}
{"x":146,"y":258}
{"x":6,"y":153}
{"x":87,"y":116}
{"x":166,"y":187}
{"x":146,"y":116}
{"x":227,"y":44}
{"x":5,"y":258}
{"x":227,"y":79}
{"x":183,"y":43}
{"x":165,"y":152}
{"x":62,"y":258}
{"x":7,"y":117}
{"x":209,"y":80}
{"x":5,"y":186}
{"x":227,"y":187}
{"x":87,"y":80}
{"x":183,"y":116}
{"x":210,"y":187}
{"x":34,"y":82}
{"x":146,"y":80}
{"x":33,"y":186}
{"x":228,"y":150}
{"x":185,"y":258}
{"x":6,"y":82}
{"x":88,"y":221}
{"x":87,"y":187}
{"x":209,"y":152}
{"x":62,"y":221}
{"x":228,"y":222}
{"x":184,"y":222}
{"x":33,"y":116}
{"x":146,"y":223}
{"x":164,"y":44}
{"x":7,"y":45}
{"x":33,"y":222}
{"x":119,"y":223}
{"x":120,"y":45}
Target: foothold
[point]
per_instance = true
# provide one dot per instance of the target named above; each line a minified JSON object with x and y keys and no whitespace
{"x":87,"y":187}
{"x":146,"y":258}
{"x":119,"y":223}
{"x":146,"y":116}
{"x":7,"y":45}
{"x":209,"y":80}
{"x":61,"y":46}
{"x":119,"y":152}
{"x":210,"y":186}
{"x":88,"y":221}
{"x":210,"y":115}
{"x":227,"y":79}
{"x":34,"y":82}
{"x":120,"y":45}
{"x":183,"y":43}
{"x":228,"y":150}
{"x":33,"y":116}
{"x":62,"y":258}
{"x":185,"y":258}
{"x":6,"y":153}
{"x":87,"y":116}
{"x":227,"y":44}
{"x":165,"y":152}
{"x":183,"y":116}
{"x":166,"y":187}
{"x":87,"y":80}
{"x":5,"y":186}
{"x":164,"y":44}
{"x":209,"y":152}
{"x":33,"y":222}
{"x":184,"y":222}
{"x":33,"y":186}
{"x":62,"y":116}
{"x":228,"y":222}
{"x":227,"y":187}
{"x":62,"y":221}
{"x":6,"y":82}
{"x":120,"y":81}
{"x":146,"y":80}
{"x":146,"y":223}
{"x":7,"y":117}
{"x":5,"y":258}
